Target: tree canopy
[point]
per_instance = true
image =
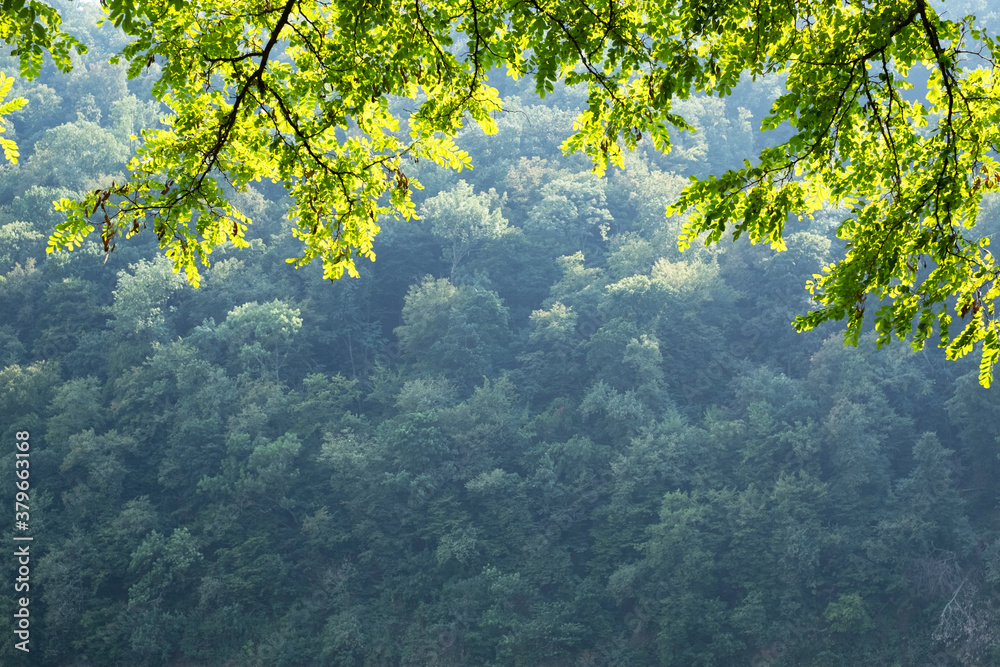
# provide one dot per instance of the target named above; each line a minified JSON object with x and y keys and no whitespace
{"x":533,"y":432}
{"x":892,"y":106}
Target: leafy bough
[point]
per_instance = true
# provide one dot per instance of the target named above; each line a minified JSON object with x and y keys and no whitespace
{"x":297,"y":92}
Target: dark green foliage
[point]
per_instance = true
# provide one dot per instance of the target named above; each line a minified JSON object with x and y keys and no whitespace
{"x":538,"y":437}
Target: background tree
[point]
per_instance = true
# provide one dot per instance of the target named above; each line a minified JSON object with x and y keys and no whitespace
{"x":464,"y":220}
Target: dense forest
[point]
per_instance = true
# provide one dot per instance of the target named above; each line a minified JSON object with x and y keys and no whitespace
{"x":531,"y":433}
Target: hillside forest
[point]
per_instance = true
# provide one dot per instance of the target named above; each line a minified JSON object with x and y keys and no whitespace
{"x":532,"y":433}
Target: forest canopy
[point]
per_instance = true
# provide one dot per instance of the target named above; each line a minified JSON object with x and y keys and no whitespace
{"x":534,"y":432}
{"x":889,"y":113}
